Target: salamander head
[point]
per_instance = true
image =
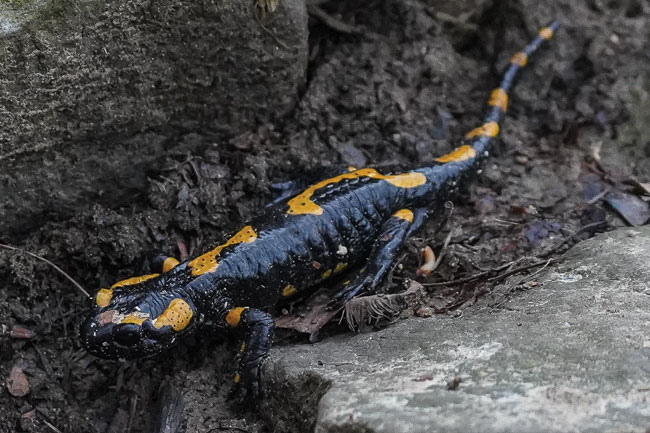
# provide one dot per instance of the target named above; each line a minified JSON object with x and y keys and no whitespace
{"x":137,"y":320}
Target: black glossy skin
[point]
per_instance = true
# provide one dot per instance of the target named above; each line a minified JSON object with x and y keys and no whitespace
{"x":288,"y":246}
{"x":357,"y":226}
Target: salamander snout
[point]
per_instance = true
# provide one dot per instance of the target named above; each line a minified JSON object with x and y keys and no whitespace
{"x":115,"y":340}
{"x":114,"y":332}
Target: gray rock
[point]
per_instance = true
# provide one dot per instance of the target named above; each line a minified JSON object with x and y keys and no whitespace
{"x":95,"y":93}
{"x":570,"y":354}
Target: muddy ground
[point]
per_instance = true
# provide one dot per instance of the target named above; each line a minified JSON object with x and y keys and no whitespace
{"x":389,"y":82}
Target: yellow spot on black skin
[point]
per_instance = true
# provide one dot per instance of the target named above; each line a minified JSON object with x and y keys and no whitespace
{"x":242,"y":348}
{"x":132,"y":318}
{"x":489,"y":129}
{"x":169,"y":264}
{"x":208,"y":261}
{"x":103,"y":297}
{"x":134,"y":280}
{"x":462,"y":153}
{"x":289,"y":290}
{"x":546,"y":33}
{"x":237,"y":378}
{"x":340,"y":267}
{"x":303,"y":204}
{"x":234,"y":316}
{"x":404,"y":214}
{"x":499,"y":98}
{"x":520,"y":59}
{"x":177,"y":315}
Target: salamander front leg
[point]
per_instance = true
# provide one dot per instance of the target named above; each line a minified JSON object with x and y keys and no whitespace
{"x":391,"y":237}
{"x":258,"y":327}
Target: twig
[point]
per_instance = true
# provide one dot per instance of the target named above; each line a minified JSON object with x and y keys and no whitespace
{"x":45,"y":421}
{"x":460,"y":21}
{"x":505,"y":222}
{"x":443,"y":250}
{"x":573,"y":236}
{"x":602,"y":194}
{"x":643,"y":188}
{"x":58,"y":269}
{"x":455,"y":21}
{"x":277,"y":40}
{"x":332,"y":22}
{"x":521,"y":269}
{"x":496,"y":278}
{"x":471,"y":277}
{"x":449,"y":212}
{"x":391,"y":273}
{"x":528,"y":277}
{"x":54,"y":429}
{"x":132,"y":409}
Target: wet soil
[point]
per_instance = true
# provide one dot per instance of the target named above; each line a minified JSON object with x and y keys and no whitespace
{"x":399,"y":82}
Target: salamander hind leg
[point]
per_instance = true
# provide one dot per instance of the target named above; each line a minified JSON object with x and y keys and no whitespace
{"x":391,"y":237}
{"x":258,"y":328}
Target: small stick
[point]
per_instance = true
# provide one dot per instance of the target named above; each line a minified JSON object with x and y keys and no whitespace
{"x":602,"y":194}
{"x":573,"y":236}
{"x":58,"y":269}
{"x":441,"y":255}
{"x":46,"y":422}
{"x":528,"y":277}
{"x":54,"y":429}
{"x":471,"y":277}
{"x":132,"y":409}
{"x":391,"y":273}
{"x":521,"y":269}
{"x":331,"y":22}
{"x":449,"y":212}
{"x":459,"y":22}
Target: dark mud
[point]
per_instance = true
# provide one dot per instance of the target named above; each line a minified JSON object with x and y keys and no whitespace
{"x":402,"y":85}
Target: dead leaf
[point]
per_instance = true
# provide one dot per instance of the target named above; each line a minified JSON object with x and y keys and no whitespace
{"x":20,"y":332}
{"x":368,"y":309}
{"x":17,"y":383}
{"x":631,"y":208}
{"x":312,"y":316}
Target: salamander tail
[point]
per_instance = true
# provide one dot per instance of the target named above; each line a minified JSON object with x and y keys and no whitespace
{"x":481,"y":137}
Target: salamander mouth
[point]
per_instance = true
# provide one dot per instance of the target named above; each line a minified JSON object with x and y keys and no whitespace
{"x":123,"y":340}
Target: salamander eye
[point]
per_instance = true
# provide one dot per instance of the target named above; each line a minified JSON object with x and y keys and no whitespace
{"x":127,"y":334}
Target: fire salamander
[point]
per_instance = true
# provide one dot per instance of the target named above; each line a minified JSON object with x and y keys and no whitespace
{"x":355,"y":217}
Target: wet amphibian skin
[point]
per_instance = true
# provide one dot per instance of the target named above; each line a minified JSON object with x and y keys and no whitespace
{"x":310,"y":234}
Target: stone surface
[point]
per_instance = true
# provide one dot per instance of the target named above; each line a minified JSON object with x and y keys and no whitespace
{"x":96,"y":93}
{"x":570,"y":354}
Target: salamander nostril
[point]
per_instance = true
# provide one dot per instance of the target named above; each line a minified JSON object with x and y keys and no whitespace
{"x":127,"y":334}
